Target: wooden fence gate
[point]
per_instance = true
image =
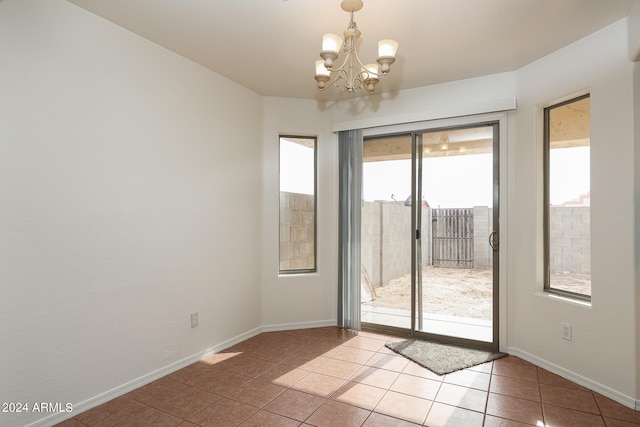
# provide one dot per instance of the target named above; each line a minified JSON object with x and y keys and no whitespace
{"x":452,"y":238}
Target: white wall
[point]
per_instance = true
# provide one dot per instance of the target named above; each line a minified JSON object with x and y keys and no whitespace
{"x":634,"y":32}
{"x":129,"y":181}
{"x":636,"y":156}
{"x":299,"y":299}
{"x":603,"y":353}
{"x":452,"y":99}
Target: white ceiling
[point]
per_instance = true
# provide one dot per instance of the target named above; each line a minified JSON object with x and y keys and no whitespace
{"x":270,"y":46}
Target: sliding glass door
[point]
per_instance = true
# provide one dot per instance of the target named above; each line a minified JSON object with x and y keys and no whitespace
{"x":386,"y":271}
{"x":429,"y":227}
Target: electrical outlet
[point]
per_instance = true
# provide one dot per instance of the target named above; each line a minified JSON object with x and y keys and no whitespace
{"x":567,"y":332}
{"x":194,"y":320}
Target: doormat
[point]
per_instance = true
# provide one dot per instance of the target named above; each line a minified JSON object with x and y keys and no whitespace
{"x":442,"y":358}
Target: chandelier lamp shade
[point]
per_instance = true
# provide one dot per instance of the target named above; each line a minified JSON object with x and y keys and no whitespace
{"x":351,"y":75}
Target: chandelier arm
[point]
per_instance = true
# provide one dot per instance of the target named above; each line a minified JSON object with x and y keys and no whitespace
{"x":351,"y":85}
{"x":356,"y":70}
{"x":362,"y":69}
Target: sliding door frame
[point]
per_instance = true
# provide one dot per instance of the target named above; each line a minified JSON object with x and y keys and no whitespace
{"x":417,"y":311}
{"x":498,"y":123}
{"x":416,"y":231}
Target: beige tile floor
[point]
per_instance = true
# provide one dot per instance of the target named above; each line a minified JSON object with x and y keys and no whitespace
{"x":332,"y":377}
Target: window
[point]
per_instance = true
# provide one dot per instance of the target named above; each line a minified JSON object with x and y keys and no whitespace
{"x":297,"y":204}
{"x":567,"y":193}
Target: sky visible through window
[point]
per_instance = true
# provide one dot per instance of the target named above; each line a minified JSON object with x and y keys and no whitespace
{"x":448,"y":182}
{"x":296,"y":168}
{"x":569,"y":173}
{"x":466,"y":181}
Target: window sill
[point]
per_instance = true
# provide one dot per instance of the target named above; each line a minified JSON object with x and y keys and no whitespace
{"x":297,"y":273}
{"x":564,"y":299}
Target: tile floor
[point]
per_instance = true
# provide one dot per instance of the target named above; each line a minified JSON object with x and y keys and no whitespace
{"x":332,"y":377}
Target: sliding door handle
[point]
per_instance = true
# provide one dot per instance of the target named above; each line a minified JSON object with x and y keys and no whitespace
{"x":493,"y":241}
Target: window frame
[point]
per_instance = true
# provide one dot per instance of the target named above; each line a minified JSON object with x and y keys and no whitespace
{"x":291,"y":271}
{"x":547,"y":202}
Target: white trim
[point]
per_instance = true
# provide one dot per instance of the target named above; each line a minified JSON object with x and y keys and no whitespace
{"x":441,"y":112}
{"x":172,"y":367}
{"x":500,"y":116}
{"x":604,"y":390}
{"x":506,"y":166}
{"x":302,"y":325}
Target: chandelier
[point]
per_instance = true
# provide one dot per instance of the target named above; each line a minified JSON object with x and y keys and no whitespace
{"x":351,"y":75}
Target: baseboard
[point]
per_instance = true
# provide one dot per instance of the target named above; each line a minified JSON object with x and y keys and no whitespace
{"x":301,"y":325}
{"x":604,"y":390}
{"x":166,"y":370}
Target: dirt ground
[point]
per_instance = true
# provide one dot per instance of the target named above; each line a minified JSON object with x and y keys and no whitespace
{"x":459,"y":292}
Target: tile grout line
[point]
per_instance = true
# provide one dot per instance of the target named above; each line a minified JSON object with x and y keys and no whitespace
{"x":433,"y":401}
{"x":542,"y":411}
{"x":486,"y":403}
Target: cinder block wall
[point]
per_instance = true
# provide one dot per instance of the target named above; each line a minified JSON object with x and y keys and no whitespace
{"x":386,"y":240}
{"x":482,"y":228}
{"x":570,"y":240}
{"x":386,"y":237}
{"x":297,"y":234}
{"x":396,"y":241}
{"x":370,"y":249}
